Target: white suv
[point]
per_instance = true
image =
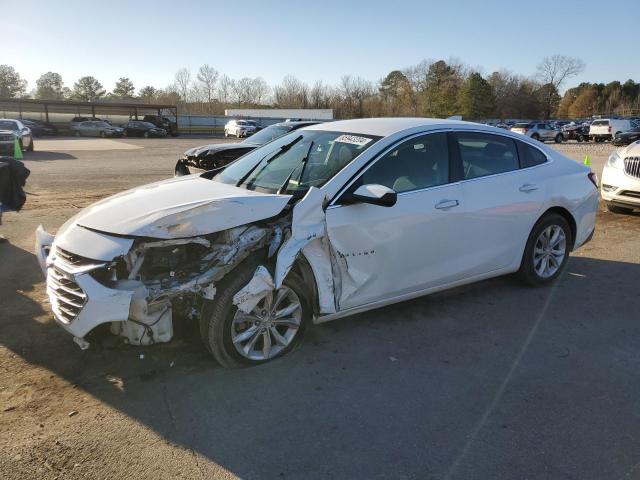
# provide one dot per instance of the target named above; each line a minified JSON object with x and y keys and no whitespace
{"x":239,"y":128}
{"x":607,"y":128}
{"x":620,"y":187}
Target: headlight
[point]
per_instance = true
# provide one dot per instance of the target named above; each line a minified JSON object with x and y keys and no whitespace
{"x":615,"y":161}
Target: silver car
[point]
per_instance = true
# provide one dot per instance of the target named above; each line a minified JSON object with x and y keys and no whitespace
{"x":20,"y":131}
{"x":96,"y":129}
{"x":540,"y":131}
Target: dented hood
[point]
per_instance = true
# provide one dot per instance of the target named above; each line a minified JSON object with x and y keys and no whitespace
{"x":179,"y":207}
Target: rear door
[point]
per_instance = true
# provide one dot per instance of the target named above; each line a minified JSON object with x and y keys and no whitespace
{"x":501,"y":200}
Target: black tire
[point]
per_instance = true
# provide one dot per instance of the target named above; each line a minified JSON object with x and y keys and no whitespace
{"x":535,"y":136}
{"x":217,"y":315}
{"x":558,"y":138}
{"x":621,"y":210}
{"x":31,"y":146}
{"x":527,"y":272}
{"x":580,"y":138}
{"x":146,"y":135}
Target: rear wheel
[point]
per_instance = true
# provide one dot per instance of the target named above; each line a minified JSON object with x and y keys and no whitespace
{"x":547,"y":251}
{"x":272,"y":329}
{"x":616,"y":209}
{"x":535,"y":136}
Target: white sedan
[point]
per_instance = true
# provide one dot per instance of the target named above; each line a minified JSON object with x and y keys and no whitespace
{"x":621,"y":180}
{"x":324,"y":222}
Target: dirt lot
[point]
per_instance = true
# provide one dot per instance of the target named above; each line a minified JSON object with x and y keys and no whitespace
{"x":492,"y":380}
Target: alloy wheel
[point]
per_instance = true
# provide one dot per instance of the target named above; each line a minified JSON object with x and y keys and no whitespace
{"x":549,"y":251}
{"x":269,"y":328}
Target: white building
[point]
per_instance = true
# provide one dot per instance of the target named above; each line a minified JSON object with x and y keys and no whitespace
{"x":302,"y":113}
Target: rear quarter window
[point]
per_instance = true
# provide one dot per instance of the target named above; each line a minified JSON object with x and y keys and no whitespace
{"x":530,"y":156}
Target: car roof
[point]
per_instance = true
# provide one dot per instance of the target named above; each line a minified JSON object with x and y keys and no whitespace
{"x":296,"y":124}
{"x":384,"y":127}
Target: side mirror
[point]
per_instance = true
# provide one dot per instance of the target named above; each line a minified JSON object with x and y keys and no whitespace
{"x":376,"y":195}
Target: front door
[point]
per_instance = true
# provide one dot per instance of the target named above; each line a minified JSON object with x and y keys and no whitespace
{"x":385,"y":252}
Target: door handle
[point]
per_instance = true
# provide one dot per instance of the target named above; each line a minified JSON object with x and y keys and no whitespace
{"x":444,"y":204}
{"x":528,"y":187}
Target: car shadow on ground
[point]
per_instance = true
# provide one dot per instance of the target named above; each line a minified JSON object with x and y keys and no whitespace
{"x":42,"y":156}
{"x":492,"y":380}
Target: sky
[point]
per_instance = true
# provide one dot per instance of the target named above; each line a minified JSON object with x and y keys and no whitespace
{"x":148,"y":41}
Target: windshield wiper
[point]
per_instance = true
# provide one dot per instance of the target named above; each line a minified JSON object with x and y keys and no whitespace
{"x":274,"y":155}
{"x":304,"y":165}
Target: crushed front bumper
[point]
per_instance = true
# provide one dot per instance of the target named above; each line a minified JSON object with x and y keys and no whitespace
{"x":79,"y":302}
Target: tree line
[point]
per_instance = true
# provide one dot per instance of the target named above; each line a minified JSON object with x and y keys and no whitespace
{"x":429,"y":89}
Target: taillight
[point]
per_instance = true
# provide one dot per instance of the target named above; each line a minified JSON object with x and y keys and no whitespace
{"x":609,"y":128}
{"x":593,"y":176}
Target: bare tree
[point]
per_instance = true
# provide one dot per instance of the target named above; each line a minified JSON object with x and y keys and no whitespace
{"x":558,"y":68}
{"x":292,"y":93}
{"x":183,"y":83}
{"x":207,"y":76}
{"x":260,"y":90}
{"x":224,"y":88}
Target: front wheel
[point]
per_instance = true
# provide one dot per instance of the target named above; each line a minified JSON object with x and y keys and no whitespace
{"x":535,"y":136}
{"x":30,"y":147}
{"x":272,"y":329}
{"x":547,"y":251}
{"x":558,"y":138}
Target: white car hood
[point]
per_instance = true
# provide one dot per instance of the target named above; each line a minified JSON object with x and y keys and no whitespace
{"x":179,"y":207}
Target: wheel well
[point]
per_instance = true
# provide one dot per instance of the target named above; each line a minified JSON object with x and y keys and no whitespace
{"x":302,"y":268}
{"x":563,"y":212}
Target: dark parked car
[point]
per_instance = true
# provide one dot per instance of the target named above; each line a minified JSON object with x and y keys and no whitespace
{"x":163,"y":122}
{"x":576,"y":132}
{"x":208,"y":157}
{"x":39,"y":128}
{"x":625,"y":138}
{"x":138,"y":128}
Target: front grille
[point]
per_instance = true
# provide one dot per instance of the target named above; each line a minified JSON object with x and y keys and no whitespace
{"x":66,"y":296}
{"x":632,"y":166}
{"x":74,"y":260}
{"x":6,"y":138}
{"x":630,"y":193}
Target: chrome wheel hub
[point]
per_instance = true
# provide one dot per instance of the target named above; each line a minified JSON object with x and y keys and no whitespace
{"x":269,"y":328}
{"x":549,"y":251}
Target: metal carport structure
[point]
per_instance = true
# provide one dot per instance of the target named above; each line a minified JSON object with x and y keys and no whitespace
{"x":20,"y":106}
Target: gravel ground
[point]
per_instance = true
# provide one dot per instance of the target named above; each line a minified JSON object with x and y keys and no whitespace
{"x":492,"y":380}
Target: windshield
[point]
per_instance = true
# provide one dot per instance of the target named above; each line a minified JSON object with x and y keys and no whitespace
{"x":267,"y":134}
{"x":8,"y":125}
{"x":147,"y":124}
{"x":296,"y":161}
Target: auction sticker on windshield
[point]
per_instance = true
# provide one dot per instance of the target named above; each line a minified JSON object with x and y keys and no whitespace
{"x":353,"y":139}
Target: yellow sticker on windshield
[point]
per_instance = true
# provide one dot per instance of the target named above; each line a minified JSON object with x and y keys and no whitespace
{"x":353,"y":139}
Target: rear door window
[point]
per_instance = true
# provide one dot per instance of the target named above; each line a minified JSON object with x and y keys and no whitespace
{"x":484,"y":154}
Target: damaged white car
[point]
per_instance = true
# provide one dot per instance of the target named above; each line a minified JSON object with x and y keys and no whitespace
{"x":327,"y":221}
